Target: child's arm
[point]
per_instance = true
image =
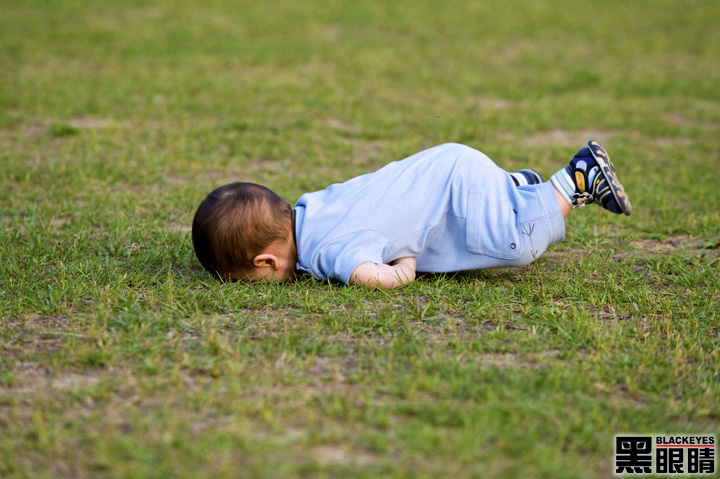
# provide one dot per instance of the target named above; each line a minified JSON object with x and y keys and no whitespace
{"x":372,"y":275}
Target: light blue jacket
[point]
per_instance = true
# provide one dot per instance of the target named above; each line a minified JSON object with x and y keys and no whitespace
{"x":449,"y":207}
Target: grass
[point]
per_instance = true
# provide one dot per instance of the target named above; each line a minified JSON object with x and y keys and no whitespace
{"x":120,"y":357}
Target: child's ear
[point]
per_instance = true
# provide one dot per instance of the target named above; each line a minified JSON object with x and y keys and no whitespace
{"x":265,"y":260}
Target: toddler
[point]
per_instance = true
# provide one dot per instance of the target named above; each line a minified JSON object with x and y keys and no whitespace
{"x":449,"y":208}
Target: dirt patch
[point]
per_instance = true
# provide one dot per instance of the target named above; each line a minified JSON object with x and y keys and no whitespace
{"x":567,"y":138}
{"x":30,"y":380}
{"x":668,"y":142}
{"x":622,"y":393}
{"x":494,"y":103}
{"x":669,"y":245}
{"x":367,"y":154}
{"x":75,"y":381}
{"x":330,"y":454}
{"x":608,"y":313}
{"x":679,"y":119}
{"x":178,"y":228}
{"x":446,"y":326}
{"x":333,"y":369}
{"x":568,"y":253}
{"x":510,"y":360}
{"x":33,"y":381}
{"x":653,"y":245}
{"x":36,"y":334}
{"x":45,"y":126}
{"x":328,"y":32}
{"x":32,"y":339}
{"x":90,"y":123}
{"x":507,"y":360}
{"x":342,"y":127}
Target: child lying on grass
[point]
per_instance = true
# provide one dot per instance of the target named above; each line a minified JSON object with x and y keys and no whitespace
{"x":449,"y":208}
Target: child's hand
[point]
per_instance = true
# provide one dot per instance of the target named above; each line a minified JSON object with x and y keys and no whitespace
{"x":372,"y":275}
{"x":406,"y":262}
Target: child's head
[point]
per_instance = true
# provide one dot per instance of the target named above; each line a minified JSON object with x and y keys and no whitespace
{"x":235,"y":224}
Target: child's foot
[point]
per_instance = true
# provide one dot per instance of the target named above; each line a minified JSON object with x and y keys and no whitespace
{"x":526,"y":177}
{"x":590,"y":178}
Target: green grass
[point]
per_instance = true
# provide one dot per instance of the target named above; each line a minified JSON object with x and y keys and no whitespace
{"x":120,"y":357}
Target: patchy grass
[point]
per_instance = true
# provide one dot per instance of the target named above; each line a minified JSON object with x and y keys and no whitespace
{"x":120,"y":357}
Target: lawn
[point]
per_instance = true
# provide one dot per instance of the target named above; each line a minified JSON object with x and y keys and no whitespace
{"x":121,"y":357}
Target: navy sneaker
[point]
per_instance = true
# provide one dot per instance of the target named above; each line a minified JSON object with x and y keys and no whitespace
{"x":526,"y":176}
{"x":595,"y":180}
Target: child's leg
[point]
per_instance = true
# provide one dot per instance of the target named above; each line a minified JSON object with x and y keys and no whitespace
{"x":512,"y":225}
{"x":565,"y":207}
{"x":538,"y":221}
{"x":526,"y":176}
{"x":590,"y":178}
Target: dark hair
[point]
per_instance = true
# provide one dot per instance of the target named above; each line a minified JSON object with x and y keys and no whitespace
{"x":234,"y":224}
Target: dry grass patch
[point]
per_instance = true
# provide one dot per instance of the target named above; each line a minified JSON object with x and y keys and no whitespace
{"x":669,"y":245}
{"x":338,"y":455}
{"x":567,"y":138}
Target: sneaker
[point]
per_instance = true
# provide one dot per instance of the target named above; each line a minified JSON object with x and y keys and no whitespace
{"x":526,"y":176}
{"x":595,"y":180}
{"x":617,"y":191}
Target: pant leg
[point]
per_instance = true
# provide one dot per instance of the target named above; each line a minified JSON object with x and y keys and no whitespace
{"x":539,"y":220}
{"x":507,"y":225}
